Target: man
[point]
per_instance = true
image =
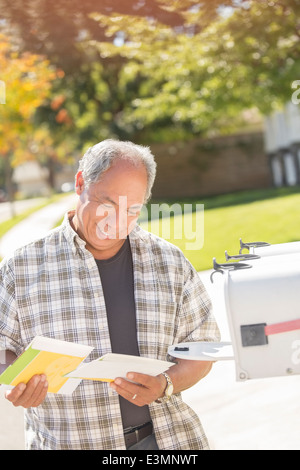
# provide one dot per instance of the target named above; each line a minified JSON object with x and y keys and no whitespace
{"x":100,"y":280}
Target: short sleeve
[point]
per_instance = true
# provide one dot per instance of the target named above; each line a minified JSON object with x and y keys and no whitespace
{"x":9,"y":323}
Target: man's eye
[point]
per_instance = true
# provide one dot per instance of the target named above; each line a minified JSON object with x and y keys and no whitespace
{"x":135,"y":213}
{"x":103,"y":209}
{"x":105,"y":205}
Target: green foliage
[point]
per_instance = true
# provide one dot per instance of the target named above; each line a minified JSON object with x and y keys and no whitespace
{"x":259,"y":51}
{"x":158,"y":70}
{"x":200,"y":83}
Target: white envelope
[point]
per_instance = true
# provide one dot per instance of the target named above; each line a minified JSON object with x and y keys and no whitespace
{"x":110,"y":366}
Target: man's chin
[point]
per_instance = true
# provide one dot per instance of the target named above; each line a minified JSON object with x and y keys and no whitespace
{"x":107,"y":241}
{"x":101,"y":235}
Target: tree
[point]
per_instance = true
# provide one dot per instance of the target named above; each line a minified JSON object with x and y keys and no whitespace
{"x":98,"y":94}
{"x":257,"y":54}
{"x":153,"y":70}
{"x":27,"y":79}
{"x":199,"y":83}
{"x":55,"y":29}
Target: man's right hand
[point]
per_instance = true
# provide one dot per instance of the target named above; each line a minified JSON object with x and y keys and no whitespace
{"x":30,"y":395}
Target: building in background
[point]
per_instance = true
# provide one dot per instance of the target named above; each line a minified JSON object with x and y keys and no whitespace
{"x":31,"y":180}
{"x":282,"y":145}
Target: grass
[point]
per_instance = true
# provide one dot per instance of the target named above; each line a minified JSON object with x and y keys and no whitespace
{"x":270,"y":215}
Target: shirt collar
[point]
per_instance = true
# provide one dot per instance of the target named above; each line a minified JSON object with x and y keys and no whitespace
{"x":72,"y":237}
{"x":75,"y":241}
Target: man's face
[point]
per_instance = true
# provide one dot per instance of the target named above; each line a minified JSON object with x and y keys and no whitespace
{"x":107,"y":211}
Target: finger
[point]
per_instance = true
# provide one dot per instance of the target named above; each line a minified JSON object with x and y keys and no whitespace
{"x":14,"y":394}
{"x":124,"y":387}
{"x":35,"y":392}
{"x":40,"y":392}
{"x":135,"y":393}
{"x":155,"y":384}
{"x":24,"y":398}
{"x":31,"y":394}
{"x":146,"y":380}
{"x":129,"y":391}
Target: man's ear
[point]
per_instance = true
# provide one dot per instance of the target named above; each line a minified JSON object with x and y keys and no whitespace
{"x":79,"y":183}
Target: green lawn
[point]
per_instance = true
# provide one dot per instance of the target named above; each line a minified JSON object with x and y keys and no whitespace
{"x":271,"y":215}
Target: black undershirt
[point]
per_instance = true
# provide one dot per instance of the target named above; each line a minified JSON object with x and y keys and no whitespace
{"x":117,"y":280}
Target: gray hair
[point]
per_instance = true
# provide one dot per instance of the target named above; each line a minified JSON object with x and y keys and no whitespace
{"x":100,"y":158}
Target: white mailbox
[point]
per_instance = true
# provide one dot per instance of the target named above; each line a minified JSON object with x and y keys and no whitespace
{"x":262,"y":301}
{"x":274,"y":250}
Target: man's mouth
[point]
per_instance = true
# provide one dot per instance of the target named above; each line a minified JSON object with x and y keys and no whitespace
{"x":103,"y":234}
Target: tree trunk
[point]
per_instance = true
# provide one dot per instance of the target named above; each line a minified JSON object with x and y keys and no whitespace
{"x":9,"y":185}
{"x":51,"y":172}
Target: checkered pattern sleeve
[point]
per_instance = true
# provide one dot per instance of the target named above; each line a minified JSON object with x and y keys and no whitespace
{"x":196,"y":321}
{"x":9,"y":324}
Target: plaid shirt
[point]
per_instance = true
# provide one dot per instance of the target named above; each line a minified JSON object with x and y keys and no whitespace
{"x":52,"y":288}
